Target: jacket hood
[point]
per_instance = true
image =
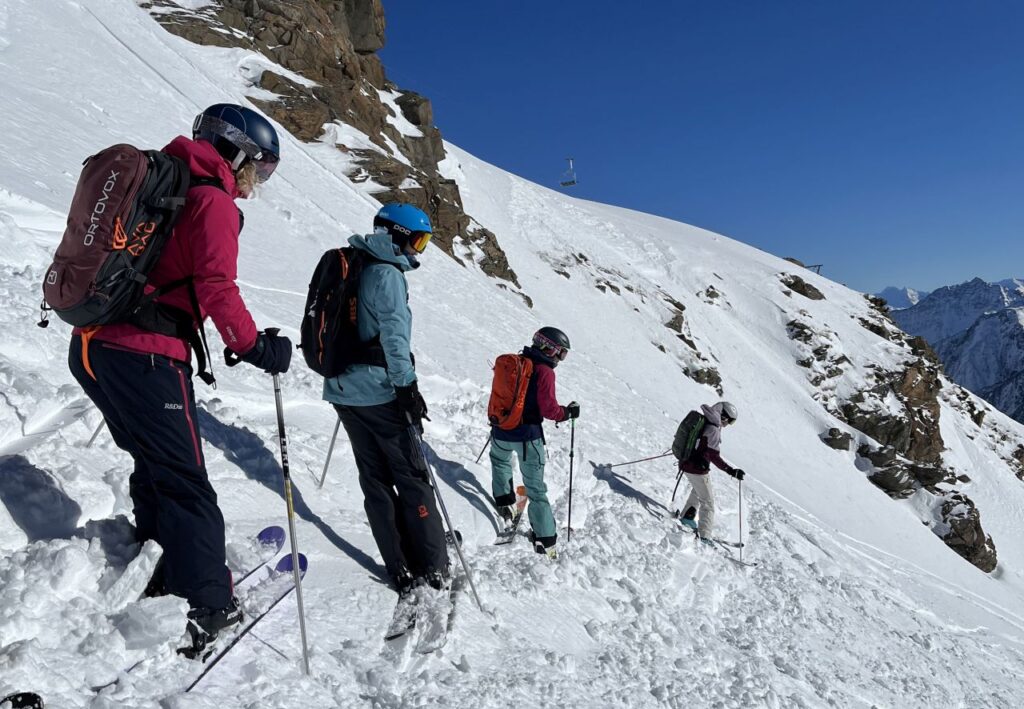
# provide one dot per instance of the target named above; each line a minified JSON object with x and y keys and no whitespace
{"x":380,"y":246}
{"x":204,"y":161}
{"x":713,"y":413}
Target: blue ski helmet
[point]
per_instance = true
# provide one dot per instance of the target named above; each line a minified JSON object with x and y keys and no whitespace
{"x":406,"y":224}
{"x":240,"y":134}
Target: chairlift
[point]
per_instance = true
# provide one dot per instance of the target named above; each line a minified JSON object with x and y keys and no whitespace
{"x":569,"y":176}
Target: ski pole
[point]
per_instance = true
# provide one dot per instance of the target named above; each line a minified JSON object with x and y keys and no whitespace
{"x":231,"y":359}
{"x":679,"y":479}
{"x":103,"y":422}
{"x":484,"y":448}
{"x":739,"y":483}
{"x":283,"y":439}
{"x":641,"y":460}
{"x":330,"y":449}
{"x":418,"y":440}
{"x":572,"y":450}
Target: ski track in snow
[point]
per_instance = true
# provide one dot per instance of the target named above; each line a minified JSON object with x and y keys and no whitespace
{"x":854,"y":603}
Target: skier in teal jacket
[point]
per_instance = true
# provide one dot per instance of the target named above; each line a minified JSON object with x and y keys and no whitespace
{"x":377,"y":403}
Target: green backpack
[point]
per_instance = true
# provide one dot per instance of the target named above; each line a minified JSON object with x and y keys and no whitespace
{"x":687,"y":436}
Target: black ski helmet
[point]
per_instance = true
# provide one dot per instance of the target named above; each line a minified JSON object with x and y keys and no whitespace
{"x":240,"y":134}
{"x":552,"y":342}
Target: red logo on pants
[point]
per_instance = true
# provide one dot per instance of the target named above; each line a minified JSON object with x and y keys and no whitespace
{"x":424,"y":513}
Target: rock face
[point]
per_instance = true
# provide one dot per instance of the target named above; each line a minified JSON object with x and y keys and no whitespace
{"x":332,"y":44}
{"x":900,"y":446}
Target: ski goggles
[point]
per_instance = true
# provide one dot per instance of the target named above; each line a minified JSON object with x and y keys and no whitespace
{"x":726,"y":420}
{"x":552,"y":349}
{"x":265,"y":161}
{"x":418,"y":240}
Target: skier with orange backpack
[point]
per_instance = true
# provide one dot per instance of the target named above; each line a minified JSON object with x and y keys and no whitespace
{"x":522,"y":396}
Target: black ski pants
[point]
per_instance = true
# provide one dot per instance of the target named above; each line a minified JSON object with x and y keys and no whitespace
{"x":398,"y":498}
{"x":150,"y":409}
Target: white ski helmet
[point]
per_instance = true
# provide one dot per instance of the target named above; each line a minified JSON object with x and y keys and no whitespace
{"x":728,"y":412}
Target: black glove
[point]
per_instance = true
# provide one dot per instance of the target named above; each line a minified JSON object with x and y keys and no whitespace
{"x":272,"y":353}
{"x":737,"y":473}
{"x":572,"y":411}
{"x":411,"y":403}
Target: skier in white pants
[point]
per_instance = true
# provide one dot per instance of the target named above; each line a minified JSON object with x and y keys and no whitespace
{"x":700,"y":505}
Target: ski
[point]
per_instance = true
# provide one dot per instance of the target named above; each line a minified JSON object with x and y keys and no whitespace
{"x":284,"y":566}
{"x":269,"y":542}
{"x":408,"y":610}
{"x":22,"y":700}
{"x":509,"y":533}
{"x":403,"y":619}
{"x":726,"y":548}
{"x":435,"y":612}
{"x":270,"y":539}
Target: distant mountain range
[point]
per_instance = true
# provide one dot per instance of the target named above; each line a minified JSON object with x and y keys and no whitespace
{"x":900,"y":298}
{"x":977,"y":329}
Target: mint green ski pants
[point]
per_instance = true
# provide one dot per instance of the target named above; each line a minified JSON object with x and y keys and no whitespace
{"x":531,"y":465}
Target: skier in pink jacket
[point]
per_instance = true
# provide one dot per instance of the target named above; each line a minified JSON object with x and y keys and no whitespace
{"x":139,"y":374}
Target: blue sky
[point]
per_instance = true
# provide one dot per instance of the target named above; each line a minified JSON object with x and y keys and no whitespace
{"x":884,"y":140}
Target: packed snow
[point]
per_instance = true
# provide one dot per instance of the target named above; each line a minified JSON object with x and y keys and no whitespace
{"x":854,"y":601}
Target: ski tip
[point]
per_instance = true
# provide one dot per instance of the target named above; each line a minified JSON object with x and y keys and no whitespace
{"x":521,"y":490}
{"x":272,"y":536}
{"x":285,"y":566}
{"x":22,"y":700}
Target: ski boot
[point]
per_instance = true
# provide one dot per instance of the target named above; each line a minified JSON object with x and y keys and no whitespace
{"x":205,"y":624}
{"x":541,"y":548}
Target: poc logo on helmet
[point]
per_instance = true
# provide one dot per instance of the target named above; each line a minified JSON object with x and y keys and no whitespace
{"x":402,"y":229}
{"x":99,"y":208}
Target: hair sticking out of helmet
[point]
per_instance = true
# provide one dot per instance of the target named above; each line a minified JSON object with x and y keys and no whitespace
{"x":552,"y":342}
{"x":241,"y":136}
{"x":406,"y":224}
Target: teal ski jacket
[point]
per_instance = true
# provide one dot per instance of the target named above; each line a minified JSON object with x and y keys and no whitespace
{"x":383,"y":310}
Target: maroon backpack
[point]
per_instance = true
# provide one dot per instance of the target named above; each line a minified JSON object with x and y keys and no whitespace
{"x":123,"y":213}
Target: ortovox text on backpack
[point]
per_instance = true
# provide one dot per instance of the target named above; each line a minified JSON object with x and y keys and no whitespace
{"x":687,"y":436}
{"x":512,"y":374}
{"x":123,"y":212}
{"x":329,"y":337}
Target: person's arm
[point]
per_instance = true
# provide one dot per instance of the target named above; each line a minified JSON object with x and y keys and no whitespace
{"x":213,"y":228}
{"x":546,"y":400}
{"x":390,"y":305}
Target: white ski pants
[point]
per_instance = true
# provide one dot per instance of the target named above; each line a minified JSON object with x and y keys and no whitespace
{"x":703,"y":499}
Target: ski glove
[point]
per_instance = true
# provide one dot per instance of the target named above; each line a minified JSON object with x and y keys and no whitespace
{"x":411,"y":403}
{"x":572,"y":411}
{"x":737,"y":473}
{"x":272,"y":353}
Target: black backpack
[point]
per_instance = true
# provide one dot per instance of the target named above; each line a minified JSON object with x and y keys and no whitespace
{"x":123,"y":213}
{"x":328,"y":336}
{"x":687,"y":436}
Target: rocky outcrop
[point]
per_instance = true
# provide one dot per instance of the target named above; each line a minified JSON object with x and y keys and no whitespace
{"x":799,"y":285}
{"x":332,"y":44}
{"x":965,"y":535}
{"x":837,"y":440}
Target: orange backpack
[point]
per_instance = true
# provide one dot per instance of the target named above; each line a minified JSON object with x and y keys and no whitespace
{"x":508,"y":390}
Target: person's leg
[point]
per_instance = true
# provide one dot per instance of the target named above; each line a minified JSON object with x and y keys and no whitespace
{"x":419,"y":519}
{"x":531,"y":463}
{"x":705,"y":500}
{"x":156,"y":403}
{"x":501,"y":473}
{"x":379,"y":499}
{"x":139,"y":484}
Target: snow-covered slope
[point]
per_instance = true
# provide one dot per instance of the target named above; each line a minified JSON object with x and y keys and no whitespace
{"x":855,"y":601}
